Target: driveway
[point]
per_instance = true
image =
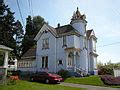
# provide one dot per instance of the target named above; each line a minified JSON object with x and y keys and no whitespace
{"x":88,"y":87}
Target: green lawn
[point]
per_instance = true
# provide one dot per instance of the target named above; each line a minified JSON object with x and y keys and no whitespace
{"x":25,"y":85}
{"x":91,"y":80}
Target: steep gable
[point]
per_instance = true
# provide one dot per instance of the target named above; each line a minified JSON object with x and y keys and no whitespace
{"x":90,"y":33}
{"x":45,"y":29}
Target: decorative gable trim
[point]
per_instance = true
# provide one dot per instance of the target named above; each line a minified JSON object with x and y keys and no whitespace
{"x":45,"y":29}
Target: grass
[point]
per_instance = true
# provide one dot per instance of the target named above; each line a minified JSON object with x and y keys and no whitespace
{"x":91,"y":80}
{"x":25,"y":85}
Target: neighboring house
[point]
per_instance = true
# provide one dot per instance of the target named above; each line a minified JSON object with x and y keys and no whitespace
{"x":28,"y":61}
{"x":70,"y":47}
{"x":116,"y":72}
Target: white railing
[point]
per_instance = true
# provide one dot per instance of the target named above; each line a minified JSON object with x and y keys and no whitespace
{"x":80,"y":70}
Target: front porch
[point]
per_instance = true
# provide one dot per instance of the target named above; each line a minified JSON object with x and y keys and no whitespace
{"x":4,"y":62}
{"x":73,"y":61}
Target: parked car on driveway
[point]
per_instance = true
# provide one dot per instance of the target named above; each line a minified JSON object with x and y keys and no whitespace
{"x":46,"y":77}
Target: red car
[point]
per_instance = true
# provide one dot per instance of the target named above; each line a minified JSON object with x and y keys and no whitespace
{"x":46,"y":77}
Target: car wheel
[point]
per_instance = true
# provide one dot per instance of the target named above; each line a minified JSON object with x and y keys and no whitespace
{"x":47,"y":81}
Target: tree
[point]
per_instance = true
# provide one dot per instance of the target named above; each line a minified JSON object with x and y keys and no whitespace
{"x":32,"y":28}
{"x":107,"y":68}
{"x":38,"y":22}
{"x":19,"y":33}
{"x":6,"y":26}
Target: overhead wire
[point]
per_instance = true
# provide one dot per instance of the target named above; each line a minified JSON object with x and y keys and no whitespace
{"x":109,"y":44}
{"x":20,"y":13}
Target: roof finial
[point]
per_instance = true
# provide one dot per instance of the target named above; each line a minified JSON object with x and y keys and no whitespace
{"x":77,"y":9}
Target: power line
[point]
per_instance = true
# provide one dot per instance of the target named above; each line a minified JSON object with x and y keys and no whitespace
{"x":29,"y":6}
{"x":31,"y":11}
{"x":109,"y":44}
{"x":20,"y":13}
{"x":32,"y":8}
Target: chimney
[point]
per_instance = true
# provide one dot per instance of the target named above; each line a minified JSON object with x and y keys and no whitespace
{"x":58,"y":25}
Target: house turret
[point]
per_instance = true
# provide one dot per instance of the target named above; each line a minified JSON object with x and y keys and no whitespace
{"x":78,"y":22}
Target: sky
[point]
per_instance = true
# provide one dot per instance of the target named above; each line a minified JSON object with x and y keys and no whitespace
{"x":103,"y":17}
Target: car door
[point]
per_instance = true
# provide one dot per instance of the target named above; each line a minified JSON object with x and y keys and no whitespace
{"x":42,"y":76}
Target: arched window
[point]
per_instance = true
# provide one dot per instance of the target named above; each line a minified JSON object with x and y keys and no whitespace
{"x":60,"y":62}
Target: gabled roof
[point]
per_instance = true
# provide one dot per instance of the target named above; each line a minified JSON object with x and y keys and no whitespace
{"x":30,"y":53}
{"x":90,"y":33}
{"x":2,"y":47}
{"x":46,"y":27}
{"x":58,"y":32}
{"x":66,"y":30}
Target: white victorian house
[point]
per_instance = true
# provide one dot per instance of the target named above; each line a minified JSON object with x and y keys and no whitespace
{"x":70,"y":47}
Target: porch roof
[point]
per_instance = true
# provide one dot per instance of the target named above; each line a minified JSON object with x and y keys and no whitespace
{"x":2,"y":47}
{"x":72,"y":48}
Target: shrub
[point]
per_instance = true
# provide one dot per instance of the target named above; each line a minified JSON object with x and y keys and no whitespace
{"x":103,"y":70}
{"x":12,"y":80}
{"x":110,"y":80}
{"x":63,"y":73}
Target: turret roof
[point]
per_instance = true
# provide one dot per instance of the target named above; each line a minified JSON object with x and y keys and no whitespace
{"x":77,"y":15}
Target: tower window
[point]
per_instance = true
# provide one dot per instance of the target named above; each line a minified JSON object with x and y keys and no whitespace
{"x":64,"y":41}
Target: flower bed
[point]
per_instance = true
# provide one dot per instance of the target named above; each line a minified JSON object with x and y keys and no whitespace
{"x":110,"y":80}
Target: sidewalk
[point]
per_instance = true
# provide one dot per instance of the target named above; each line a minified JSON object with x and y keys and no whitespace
{"x":88,"y":87}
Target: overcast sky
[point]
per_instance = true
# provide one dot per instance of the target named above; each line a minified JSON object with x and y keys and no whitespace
{"x":102,"y":15}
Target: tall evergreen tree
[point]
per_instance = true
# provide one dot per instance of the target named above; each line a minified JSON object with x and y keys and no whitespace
{"x":6,"y":26}
{"x":28,"y":41}
{"x":32,"y":28}
{"x":19,"y":33}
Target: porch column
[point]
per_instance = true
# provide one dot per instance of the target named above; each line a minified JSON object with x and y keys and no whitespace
{"x":66,"y":60}
{"x":74,"y":62}
{"x":5,"y":66}
{"x":6,"y":60}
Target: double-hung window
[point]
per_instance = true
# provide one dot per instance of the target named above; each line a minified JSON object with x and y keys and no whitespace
{"x":45,"y":62}
{"x":45,"y":43}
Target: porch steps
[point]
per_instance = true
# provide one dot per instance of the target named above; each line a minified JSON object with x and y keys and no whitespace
{"x":75,"y":74}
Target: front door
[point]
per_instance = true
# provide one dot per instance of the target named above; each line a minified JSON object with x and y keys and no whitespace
{"x":70,"y":59}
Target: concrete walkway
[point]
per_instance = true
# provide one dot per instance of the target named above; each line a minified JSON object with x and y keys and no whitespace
{"x":88,"y":87}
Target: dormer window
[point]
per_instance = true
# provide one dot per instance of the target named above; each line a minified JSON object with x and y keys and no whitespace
{"x":45,"y":43}
{"x":64,"y":41}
